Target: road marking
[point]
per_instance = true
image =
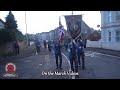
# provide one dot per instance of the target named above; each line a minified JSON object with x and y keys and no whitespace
{"x":73,"y":76}
{"x":103,"y":54}
{"x":67,"y":60}
{"x":87,"y":54}
{"x":28,"y":61}
{"x":40,"y":64}
{"x":109,"y":55}
{"x":90,"y":54}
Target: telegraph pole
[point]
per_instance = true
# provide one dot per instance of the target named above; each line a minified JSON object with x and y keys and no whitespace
{"x":26,"y":28}
{"x":72,"y":12}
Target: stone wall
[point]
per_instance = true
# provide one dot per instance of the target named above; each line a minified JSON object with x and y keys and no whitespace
{"x":7,"y":49}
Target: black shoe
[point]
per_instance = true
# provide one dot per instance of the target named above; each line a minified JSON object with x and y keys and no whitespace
{"x":76,"y":76}
{"x":83,"y":67}
{"x":60,"y":68}
{"x":79,"y":65}
{"x":72,"y":70}
{"x":57,"y":68}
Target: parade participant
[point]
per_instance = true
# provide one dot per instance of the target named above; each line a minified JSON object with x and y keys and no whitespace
{"x":38,"y":46}
{"x":49,"y":45}
{"x":57,"y":51}
{"x":65,"y":45}
{"x":45,"y":44}
{"x":80,"y":53}
{"x":85,"y":42}
{"x":72,"y":56}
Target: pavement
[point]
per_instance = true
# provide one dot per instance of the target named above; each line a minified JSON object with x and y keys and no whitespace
{"x":104,"y":51}
{"x":28,"y":51}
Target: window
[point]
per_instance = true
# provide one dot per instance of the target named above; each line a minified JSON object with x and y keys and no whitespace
{"x":109,"y":36}
{"x":117,"y":15}
{"x":117,"y":36}
{"x":109,"y":16}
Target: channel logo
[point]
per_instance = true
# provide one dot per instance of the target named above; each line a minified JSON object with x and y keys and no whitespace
{"x":10,"y":69}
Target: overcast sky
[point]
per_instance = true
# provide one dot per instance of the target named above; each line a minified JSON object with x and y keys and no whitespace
{"x":44,"y":21}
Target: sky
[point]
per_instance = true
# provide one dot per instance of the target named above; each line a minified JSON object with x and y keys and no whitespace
{"x":44,"y":21}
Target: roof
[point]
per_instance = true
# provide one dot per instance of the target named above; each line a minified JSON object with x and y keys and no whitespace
{"x":86,"y":24}
{"x":2,"y":21}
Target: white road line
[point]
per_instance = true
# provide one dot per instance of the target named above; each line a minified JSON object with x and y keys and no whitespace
{"x":67,"y":60}
{"x":28,"y":61}
{"x":73,"y":77}
{"x":39,"y":64}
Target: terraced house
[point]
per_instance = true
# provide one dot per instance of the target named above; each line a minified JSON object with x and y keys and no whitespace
{"x":2,"y":25}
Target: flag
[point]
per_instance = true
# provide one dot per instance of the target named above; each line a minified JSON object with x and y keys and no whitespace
{"x":73,"y":23}
{"x":60,"y":31}
{"x":60,"y":21}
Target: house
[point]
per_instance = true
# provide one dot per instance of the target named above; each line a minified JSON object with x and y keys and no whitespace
{"x":110,"y":30}
{"x":2,"y":24}
{"x":53,"y":34}
{"x":85,"y":29}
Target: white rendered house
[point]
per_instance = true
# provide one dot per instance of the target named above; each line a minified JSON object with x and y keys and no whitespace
{"x":110,"y":30}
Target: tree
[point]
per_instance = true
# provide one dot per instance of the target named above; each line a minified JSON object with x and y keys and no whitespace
{"x":5,"y":36}
{"x":11,"y":27}
{"x":10,"y":21}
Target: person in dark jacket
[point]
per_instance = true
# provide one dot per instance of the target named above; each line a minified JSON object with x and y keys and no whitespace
{"x":49,"y":45}
{"x":58,"y":53}
{"x":85,"y":42}
{"x":16,"y":47}
{"x":72,"y":47}
{"x":38,"y":46}
{"x":80,"y":53}
{"x":45,"y":44}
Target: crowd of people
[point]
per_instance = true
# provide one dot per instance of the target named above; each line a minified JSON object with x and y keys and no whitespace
{"x":75,"y":51}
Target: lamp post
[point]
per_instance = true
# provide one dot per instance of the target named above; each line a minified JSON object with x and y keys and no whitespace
{"x":26,"y":28}
{"x":72,"y":12}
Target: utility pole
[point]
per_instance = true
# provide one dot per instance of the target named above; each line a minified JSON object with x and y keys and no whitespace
{"x":26,"y":28}
{"x":72,"y":12}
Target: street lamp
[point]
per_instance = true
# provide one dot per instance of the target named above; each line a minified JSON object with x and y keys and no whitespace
{"x":26,"y":28}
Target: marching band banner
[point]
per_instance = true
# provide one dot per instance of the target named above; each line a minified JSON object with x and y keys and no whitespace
{"x":73,"y":23}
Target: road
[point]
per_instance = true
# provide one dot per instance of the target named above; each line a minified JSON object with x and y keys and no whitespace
{"x":35,"y":66}
{"x":42,"y":66}
{"x":100,"y":66}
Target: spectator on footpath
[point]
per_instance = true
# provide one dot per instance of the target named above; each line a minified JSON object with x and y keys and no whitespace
{"x":16,"y":47}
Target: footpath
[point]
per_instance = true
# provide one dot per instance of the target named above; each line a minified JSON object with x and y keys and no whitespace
{"x":104,"y":51}
{"x":28,"y":51}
